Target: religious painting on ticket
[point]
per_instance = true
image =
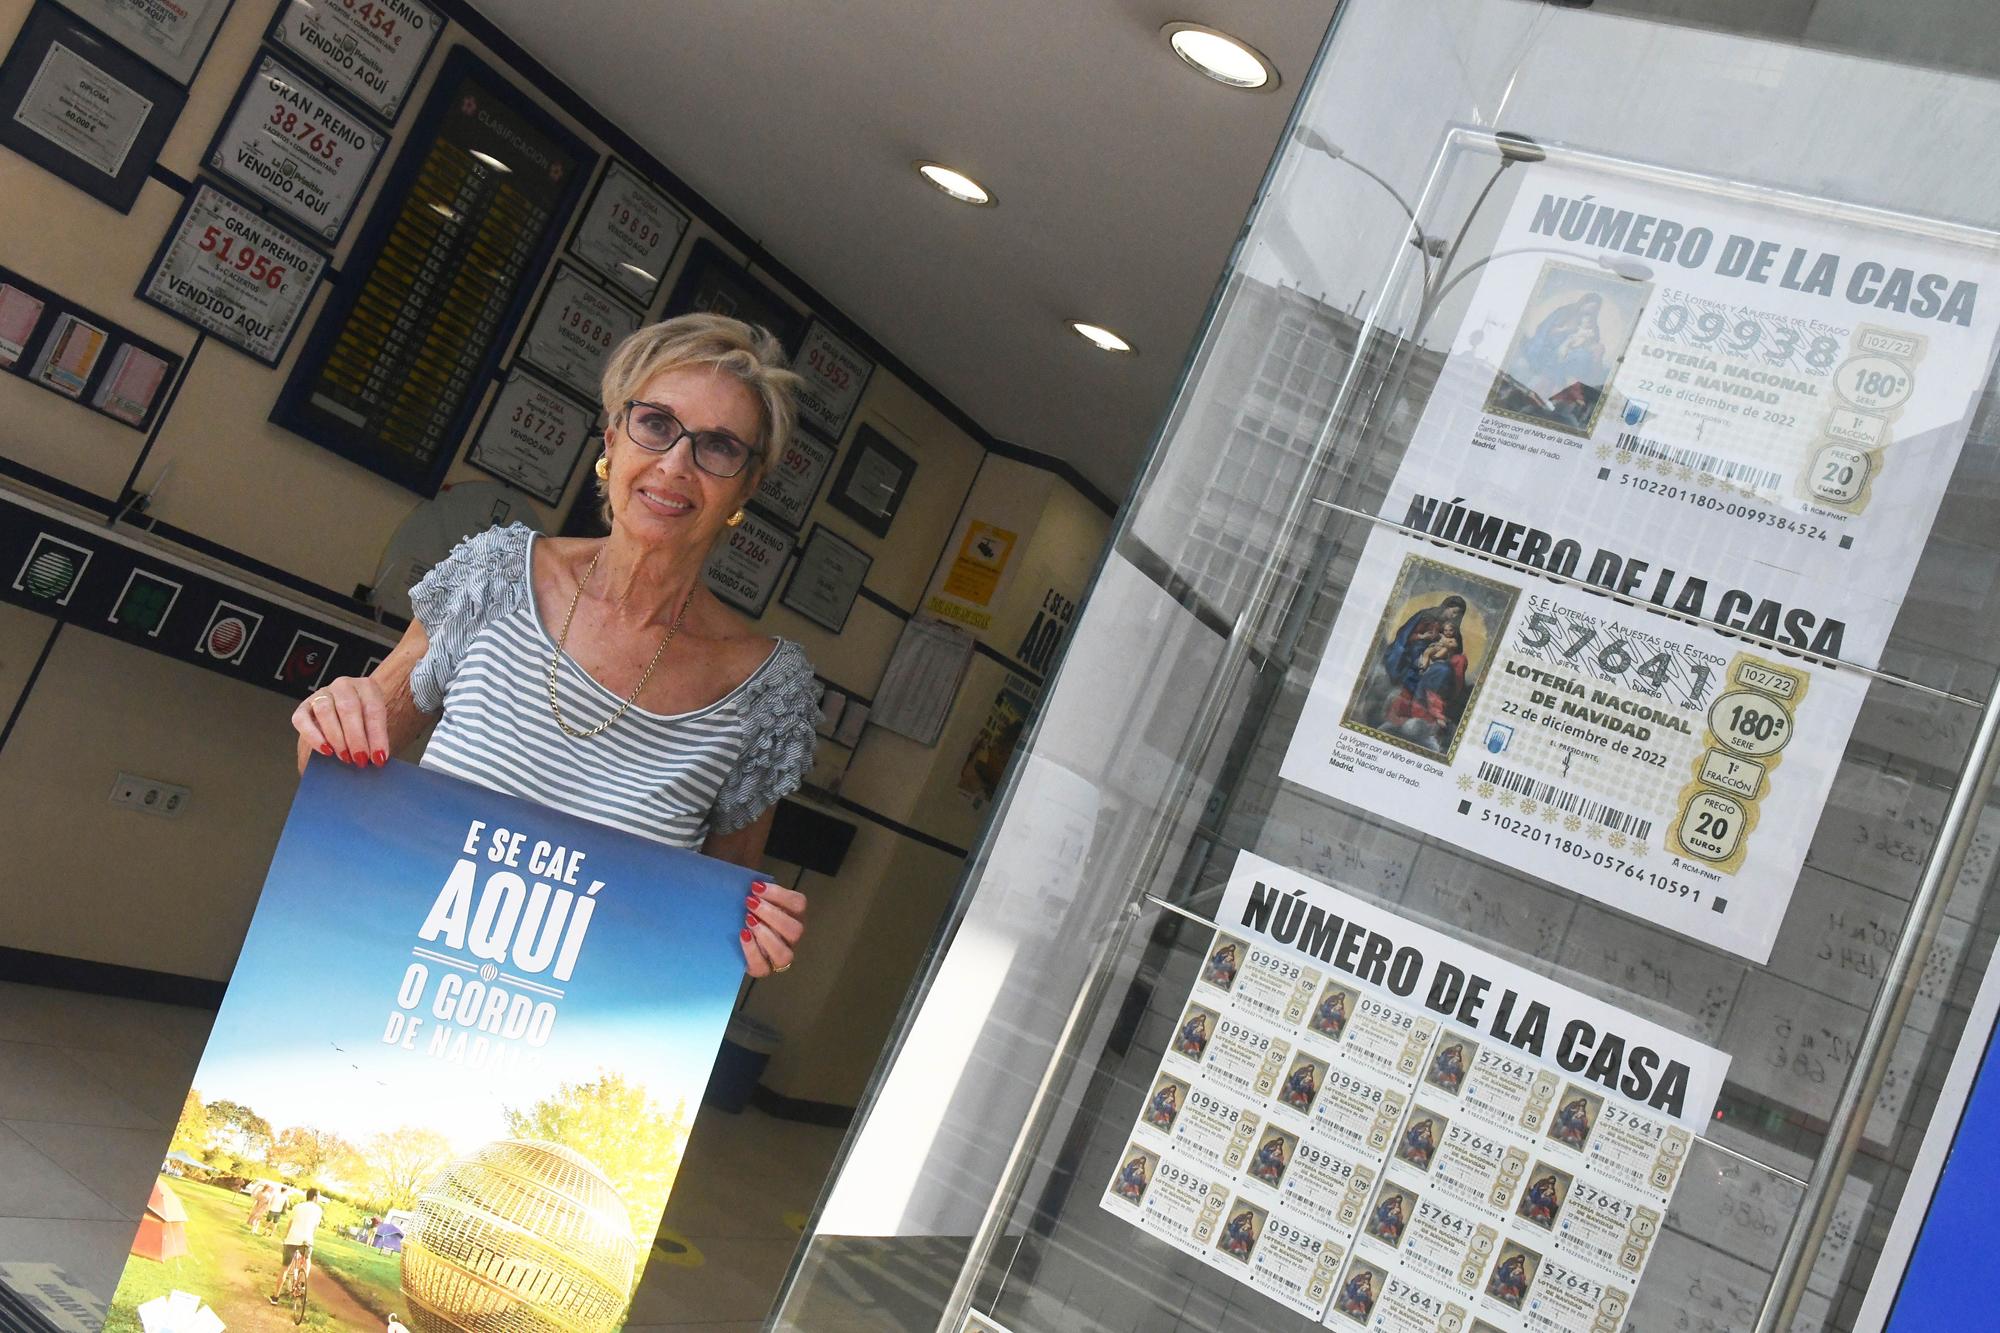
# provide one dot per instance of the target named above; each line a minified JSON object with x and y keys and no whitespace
{"x":1567,"y":346}
{"x":1432,"y":650}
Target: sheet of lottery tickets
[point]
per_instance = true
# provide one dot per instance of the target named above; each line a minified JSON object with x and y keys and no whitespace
{"x":1318,"y":1130}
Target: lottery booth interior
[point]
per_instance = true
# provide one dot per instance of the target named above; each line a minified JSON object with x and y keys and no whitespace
{"x":1508,"y":845}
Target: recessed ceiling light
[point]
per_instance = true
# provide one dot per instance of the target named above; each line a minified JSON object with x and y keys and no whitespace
{"x":956,"y":184}
{"x":1101,"y":338}
{"x":1223,"y":58}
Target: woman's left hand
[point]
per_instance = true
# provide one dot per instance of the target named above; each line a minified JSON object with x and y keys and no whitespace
{"x":772,"y":924}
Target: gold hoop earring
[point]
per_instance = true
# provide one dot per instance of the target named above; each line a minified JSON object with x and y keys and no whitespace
{"x":604,"y":467}
{"x":735,"y":520}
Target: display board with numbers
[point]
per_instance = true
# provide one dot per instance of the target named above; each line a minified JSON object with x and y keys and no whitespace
{"x":1383,"y":1127}
{"x":393,"y":371}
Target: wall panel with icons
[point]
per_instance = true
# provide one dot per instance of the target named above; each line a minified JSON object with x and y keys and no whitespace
{"x":86,"y":576}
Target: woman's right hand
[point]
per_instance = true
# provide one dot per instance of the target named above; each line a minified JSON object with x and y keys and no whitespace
{"x":346,"y":718}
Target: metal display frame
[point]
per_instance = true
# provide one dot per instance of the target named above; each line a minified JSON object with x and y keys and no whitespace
{"x":1259,"y":642}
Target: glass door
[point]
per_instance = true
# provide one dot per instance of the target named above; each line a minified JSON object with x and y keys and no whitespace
{"x":1507,"y":846}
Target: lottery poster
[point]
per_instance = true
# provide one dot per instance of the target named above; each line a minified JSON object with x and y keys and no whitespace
{"x":1647,"y":762}
{"x":1381,"y":1127}
{"x":1711,"y":381}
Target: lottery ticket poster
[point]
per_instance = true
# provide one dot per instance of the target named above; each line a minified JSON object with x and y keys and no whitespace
{"x":1748,"y":403}
{"x":1381,"y":1127}
{"x":1654,"y":765}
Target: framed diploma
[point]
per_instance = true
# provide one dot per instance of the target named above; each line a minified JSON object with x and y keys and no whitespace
{"x":371,"y":52}
{"x":231,"y":272}
{"x":712,"y":281}
{"x":873,"y":479}
{"x":629,"y":232}
{"x":288,"y":144}
{"x":532,"y":437}
{"x":79,"y":105}
{"x":789,"y":487}
{"x":173,"y":36}
{"x":469,"y":214}
{"x":827,"y":578}
{"x":572,"y":333}
{"x":834,"y":374}
{"x":743,"y":570}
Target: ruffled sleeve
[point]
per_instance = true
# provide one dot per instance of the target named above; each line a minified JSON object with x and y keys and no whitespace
{"x":484,"y":577}
{"x":780,"y":711}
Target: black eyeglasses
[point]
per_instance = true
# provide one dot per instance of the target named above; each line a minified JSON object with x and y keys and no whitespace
{"x":656,"y":429}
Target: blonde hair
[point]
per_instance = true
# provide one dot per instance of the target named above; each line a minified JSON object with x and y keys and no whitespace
{"x":748,"y":353}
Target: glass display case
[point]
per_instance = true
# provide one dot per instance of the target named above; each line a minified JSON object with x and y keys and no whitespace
{"x":1508,"y":843}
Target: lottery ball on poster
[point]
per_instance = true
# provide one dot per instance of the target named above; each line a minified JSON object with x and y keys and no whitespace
{"x":521,"y":1236}
{"x":227,"y":637}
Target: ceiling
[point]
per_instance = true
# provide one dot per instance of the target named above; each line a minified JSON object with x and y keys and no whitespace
{"x":1122,"y":176}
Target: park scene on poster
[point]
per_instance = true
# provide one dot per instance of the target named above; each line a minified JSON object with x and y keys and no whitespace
{"x":461,"y":1053}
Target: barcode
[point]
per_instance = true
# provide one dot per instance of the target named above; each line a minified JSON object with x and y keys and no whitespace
{"x":1745,"y":474}
{"x":1597,"y":812}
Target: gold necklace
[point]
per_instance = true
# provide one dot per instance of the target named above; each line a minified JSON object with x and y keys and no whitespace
{"x":562,"y":641}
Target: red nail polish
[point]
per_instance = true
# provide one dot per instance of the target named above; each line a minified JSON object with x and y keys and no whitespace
{"x":757,"y":887}
{"x":346,"y":758}
{"x":382,"y":758}
{"x":747,"y":937}
{"x":325,"y":749}
{"x":749,"y":920}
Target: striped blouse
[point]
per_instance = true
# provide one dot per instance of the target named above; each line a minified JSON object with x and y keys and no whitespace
{"x":673,"y":778}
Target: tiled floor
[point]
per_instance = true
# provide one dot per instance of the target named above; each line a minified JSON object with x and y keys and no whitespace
{"x":90,"y":1088}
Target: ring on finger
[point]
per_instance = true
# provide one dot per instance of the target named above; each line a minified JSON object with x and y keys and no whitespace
{"x":786,"y":968}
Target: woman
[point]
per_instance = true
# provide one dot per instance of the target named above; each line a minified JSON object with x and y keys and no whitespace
{"x":598,"y":675}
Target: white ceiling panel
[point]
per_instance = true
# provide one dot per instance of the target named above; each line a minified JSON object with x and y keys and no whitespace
{"x":1122,"y":175}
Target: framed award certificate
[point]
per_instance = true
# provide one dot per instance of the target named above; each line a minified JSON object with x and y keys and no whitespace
{"x":629,"y":232}
{"x":173,"y":36}
{"x":827,"y":579}
{"x":296,"y":148}
{"x":371,"y":52}
{"x":574,"y":331}
{"x":83,"y":107}
{"x":231,"y":272}
{"x":532,"y":437}
{"x":743,"y":569}
{"x":834,"y":374}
